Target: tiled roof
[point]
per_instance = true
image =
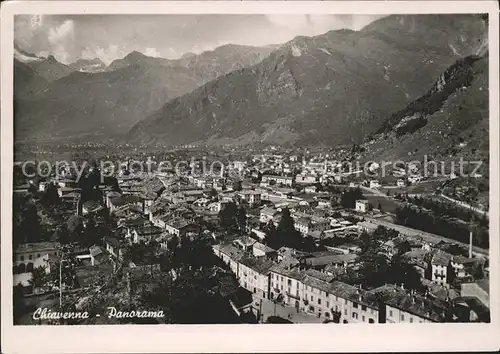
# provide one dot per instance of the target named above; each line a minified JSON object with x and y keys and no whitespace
{"x":92,"y":205}
{"x":262,"y":247}
{"x":329,"y":259}
{"x":319,"y":275}
{"x":95,"y":251}
{"x":125,"y":199}
{"x":37,"y":247}
{"x":464,"y":260}
{"x":418,"y":305}
{"x":148,"y":229}
{"x":441,"y":258}
{"x":260,"y":265}
{"x":231,"y":251}
{"x":245,"y":240}
{"x":268,"y":211}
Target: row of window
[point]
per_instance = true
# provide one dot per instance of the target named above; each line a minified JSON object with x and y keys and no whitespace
{"x":245,"y":274}
{"x":354,"y":314}
{"x":355,"y":305}
{"x":402,"y":317}
{"x":311,"y":297}
{"x":38,"y":255}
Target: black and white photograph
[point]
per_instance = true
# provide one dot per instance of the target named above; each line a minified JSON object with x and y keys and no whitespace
{"x":250,"y":168}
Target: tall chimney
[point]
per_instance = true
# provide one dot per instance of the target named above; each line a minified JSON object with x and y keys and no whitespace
{"x":470,"y":244}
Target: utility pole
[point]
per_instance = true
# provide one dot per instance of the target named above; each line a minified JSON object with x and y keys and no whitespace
{"x":60,"y":280}
{"x":260,"y":311}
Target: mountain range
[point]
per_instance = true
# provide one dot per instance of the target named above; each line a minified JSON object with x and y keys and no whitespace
{"x":109,"y":101}
{"x":337,"y":88}
{"x":88,"y":65}
{"x":331,"y":89}
{"x":32,"y":74}
{"x":449,"y":121}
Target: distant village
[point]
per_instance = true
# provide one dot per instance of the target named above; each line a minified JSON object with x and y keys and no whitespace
{"x":304,"y":240}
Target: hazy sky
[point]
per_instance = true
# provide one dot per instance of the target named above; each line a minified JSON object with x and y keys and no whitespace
{"x":110,"y":37}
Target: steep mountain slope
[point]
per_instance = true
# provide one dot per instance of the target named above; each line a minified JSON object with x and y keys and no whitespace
{"x":27,"y":82}
{"x":88,"y":65}
{"x":208,"y":65}
{"x":48,"y":68}
{"x":334,"y":88}
{"x":138,"y":59}
{"x":110,"y":102}
{"x":450,"y":121}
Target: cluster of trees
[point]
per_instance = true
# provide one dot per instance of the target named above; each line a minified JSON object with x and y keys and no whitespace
{"x":187,"y":252}
{"x":142,"y":253}
{"x":443,"y":209}
{"x":50,"y":198}
{"x":456,"y":76}
{"x":233,"y":219}
{"x":73,"y":230}
{"x":378,"y":269}
{"x":285,"y":234}
{"x":26,"y":221}
{"x":20,"y":306}
{"x":90,"y":181}
{"x":28,"y":209}
{"x":47,"y":281}
{"x":192,"y":295}
{"x":237,"y":186}
{"x":349,"y":197}
{"x":426,"y":221}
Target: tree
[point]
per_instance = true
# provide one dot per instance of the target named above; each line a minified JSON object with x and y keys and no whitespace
{"x":228,"y":217}
{"x":319,"y":187}
{"x":367,"y":242}
{"x":195,"y":295}
{"x":26,"y":221}
{"x":50,"y":197}
{"x":450,"y":274}
{"x":237,"y":186}
{"x":61,"y":235}
{"x":39,"y":278}
{"x":286,"y":234}
{"x":90,"y":234}
{"x":428,"y":271}
{"x":308,"y":244}
{"x":137,"y":252}
{"x":401,"y":272}
{"x":112,"y":182}
{"x":75,"y":226}
{"x":270,"y":230}
{"x":477,"y":271}
{"x":349,"y":197}
{"x":403,"y":247}
{"x":213,"y":193}
{"x":19,"y":302}
{"x":242,"y":218}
